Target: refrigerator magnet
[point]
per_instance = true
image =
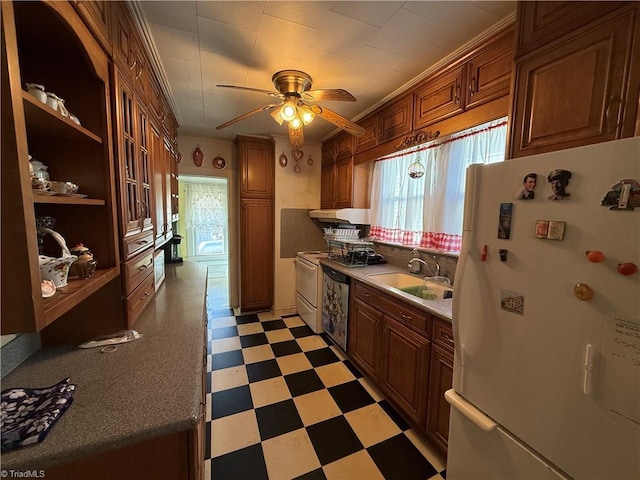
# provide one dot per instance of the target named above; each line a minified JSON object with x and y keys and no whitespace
{"x":504,"y":221}
{"x":529,"y":182}
{"x":550,"y":229}
{"x":624,"y":195}
{"x":512,"y":301}
{"x":559,"y":179}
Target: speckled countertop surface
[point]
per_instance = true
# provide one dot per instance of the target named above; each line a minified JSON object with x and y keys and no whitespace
{"x":147,"y":388}
{"x":438,"y":308}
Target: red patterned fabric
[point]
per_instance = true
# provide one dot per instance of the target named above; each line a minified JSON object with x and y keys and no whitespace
{"x":433,"y":240}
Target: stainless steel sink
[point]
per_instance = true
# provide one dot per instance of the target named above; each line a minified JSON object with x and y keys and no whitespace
{"x":416,"y":286}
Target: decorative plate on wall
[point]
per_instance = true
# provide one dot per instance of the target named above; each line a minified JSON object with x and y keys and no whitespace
{"x":219,"y":162}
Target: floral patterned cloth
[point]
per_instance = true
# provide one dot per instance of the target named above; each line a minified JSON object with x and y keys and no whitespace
{"x":28,"y":414}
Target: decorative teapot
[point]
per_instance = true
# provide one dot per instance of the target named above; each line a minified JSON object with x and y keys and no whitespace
{"x":56,"y":269}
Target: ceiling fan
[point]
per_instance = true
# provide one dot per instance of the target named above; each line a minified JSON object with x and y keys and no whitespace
{"x":298,"y":107}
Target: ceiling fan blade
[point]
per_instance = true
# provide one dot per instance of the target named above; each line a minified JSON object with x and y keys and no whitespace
{"x":328,"y":94}
{"x":338,"y":120}
{"x":246,"y":115}
{"x":256,"y":90}
{"x":296,"y":137}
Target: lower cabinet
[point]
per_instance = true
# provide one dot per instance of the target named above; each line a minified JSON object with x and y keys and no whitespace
{"x":391,"y":343}
{"x":364,"y":337}
{"x":139,"y":284}
{"x":404,"y":371}
{"x":170,"y":457}
{"x":440,"y":380}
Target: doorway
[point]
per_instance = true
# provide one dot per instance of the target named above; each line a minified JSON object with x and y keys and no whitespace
{"x":206,"y":232}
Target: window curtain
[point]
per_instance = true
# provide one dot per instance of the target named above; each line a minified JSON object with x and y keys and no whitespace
{"x":427,"y":211}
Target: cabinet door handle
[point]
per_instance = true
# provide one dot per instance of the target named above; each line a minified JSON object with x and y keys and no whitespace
{"x":611,"y":113}
{"x":139,"y":71}
{"x":472,"y":86}
{"x":143,"y":267}
{"x":365,"y":294}
{"x":142,"y":242}
{"x":133,"y":65}
{"x":146,"y":294}
{"x":456,"y":99}
{"x":406,"y":317}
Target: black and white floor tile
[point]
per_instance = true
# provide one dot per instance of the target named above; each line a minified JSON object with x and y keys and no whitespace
{"x":284,"y":403}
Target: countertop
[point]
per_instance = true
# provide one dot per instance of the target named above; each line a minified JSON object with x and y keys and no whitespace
{"x":147,"y":388}
{"x":437,"y":308}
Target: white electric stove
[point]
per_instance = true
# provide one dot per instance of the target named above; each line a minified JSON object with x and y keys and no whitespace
{"x":309,"y":288}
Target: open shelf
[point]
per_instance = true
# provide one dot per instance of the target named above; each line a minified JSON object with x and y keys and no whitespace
{"x":45,"y":122}
{"x":74,"y":293}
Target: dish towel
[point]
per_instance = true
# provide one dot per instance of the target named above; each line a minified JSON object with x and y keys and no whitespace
{"x":28,"y":414}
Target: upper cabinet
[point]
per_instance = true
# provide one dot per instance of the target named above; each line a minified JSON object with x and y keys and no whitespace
{"x":393,"y":120}
{"x":481,"y":76}
{"x":77,"y":70}
{"x":577,"y":75}
{"x":255,"y":158}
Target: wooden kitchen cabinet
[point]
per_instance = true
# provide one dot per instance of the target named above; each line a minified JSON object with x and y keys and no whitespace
{"x":404,"y":370}
{"x":365,"y":334}
{"x":133,"y":150}
{"x":481,"y":76}
{"x":370,"y":137}
{"x":395,"y":119}
{"x":440,"y":97}
{"x":256,"y":167}
{"x":390,"y":342}
{"x":440,"y":380}
{"x":128,"y":53}
{"x":256,"y":254}
{"x":575,"y":86}
{"x":78,"y":71}
{"x":97,"y":15}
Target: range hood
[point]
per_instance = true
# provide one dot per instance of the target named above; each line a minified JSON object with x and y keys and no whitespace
{"x":355,"y":216}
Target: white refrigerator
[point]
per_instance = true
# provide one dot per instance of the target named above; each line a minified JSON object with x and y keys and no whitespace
{"x":547,"y":381}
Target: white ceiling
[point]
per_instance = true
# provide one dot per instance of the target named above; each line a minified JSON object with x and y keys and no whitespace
{"x":373,"y":49}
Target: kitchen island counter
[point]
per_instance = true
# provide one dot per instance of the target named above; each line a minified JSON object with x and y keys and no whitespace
{"x":149,"y":388}
{"x":438,"y":308}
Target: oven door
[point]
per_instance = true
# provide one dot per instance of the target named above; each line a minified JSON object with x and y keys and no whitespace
{"x":307,"y":280}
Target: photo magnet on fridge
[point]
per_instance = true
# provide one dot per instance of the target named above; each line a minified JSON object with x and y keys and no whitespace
{"x":504,"y":221}
{"x":559,"y":179}
{"x":528,"y":186}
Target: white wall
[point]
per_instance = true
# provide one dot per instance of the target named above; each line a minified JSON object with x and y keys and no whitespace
{"x":293,"y":190}
{"x":212,"y":148}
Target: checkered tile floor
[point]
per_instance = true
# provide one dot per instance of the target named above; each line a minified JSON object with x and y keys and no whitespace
{"x":284,"y":403}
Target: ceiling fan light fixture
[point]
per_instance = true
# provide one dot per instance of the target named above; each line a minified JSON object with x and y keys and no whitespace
{"x":277,"y":115}
{"x":288,"y":110}
{"x":296,"y":122}
{"x":306,"y":115}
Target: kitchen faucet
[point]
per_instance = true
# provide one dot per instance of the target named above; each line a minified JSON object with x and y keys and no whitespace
{"x":411,"y":266}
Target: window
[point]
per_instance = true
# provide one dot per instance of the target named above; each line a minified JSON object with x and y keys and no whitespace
{"x":428,"y":211}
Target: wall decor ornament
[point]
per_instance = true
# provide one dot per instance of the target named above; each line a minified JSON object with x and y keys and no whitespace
{"x":309,"y":160}
{"x":219,"y":162}
{"x":417,"y":138}
{"x":283,"y":160}
{"x":297,"y":156}
{"x":198,"y":156}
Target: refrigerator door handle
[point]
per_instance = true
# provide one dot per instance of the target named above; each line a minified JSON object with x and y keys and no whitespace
{"x":468,"y":410}
{"x":588,"y":367}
